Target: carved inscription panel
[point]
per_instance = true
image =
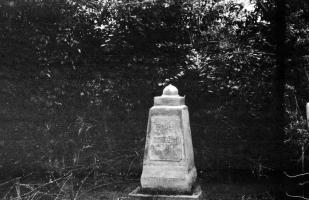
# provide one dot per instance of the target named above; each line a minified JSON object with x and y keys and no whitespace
{"x":165,"y":138}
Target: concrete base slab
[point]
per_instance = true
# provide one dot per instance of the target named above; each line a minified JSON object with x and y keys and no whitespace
{"x":137,"y":194}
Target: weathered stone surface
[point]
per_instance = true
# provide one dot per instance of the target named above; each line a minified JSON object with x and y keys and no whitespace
{"x":168,"y":159}
{"x":196,"y":195}
{"x":164,"y":141}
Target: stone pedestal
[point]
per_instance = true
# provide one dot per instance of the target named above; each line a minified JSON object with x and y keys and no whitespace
{"x":168,"y":159}
{"x":137,"y":194}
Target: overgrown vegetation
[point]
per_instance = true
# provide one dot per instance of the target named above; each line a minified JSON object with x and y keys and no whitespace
{"x":77,"y":79}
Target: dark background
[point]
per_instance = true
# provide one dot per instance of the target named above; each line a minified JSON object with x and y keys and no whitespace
{"x":77,"y":79}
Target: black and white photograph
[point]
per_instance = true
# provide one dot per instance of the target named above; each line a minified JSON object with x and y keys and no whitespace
{"x":154,"y":99}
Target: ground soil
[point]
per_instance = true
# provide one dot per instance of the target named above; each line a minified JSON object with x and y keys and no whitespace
{"x":212,"y":191}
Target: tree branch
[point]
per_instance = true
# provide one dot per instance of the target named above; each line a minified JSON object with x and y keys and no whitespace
{"x":295,"y":196}
{"x":295,"y":176}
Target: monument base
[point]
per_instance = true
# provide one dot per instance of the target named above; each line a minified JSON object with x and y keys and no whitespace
{"x":168,"y":178}
{"x":138,"y":194}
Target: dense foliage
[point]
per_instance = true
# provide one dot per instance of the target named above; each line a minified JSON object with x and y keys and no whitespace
{"x":77,"y":79}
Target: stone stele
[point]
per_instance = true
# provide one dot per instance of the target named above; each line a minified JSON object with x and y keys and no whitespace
{"x":168,"y":159}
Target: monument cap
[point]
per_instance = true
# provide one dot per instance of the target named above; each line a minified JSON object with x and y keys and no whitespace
{"x":169,"y":97}
{"x":170,"y":90}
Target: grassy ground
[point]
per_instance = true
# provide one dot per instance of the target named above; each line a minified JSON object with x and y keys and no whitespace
{"x":212,"y":191}
{"x":215,"y":186}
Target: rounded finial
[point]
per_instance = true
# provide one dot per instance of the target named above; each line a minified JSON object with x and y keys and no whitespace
{"x":170,"y":90}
